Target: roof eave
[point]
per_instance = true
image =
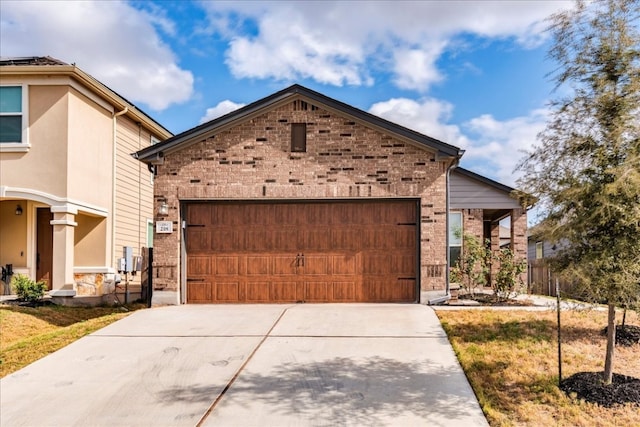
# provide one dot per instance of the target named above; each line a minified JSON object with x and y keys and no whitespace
{"x":443,"y":151}
{"x":118,"y":102}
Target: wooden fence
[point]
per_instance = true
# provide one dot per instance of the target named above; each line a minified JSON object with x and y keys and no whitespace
{"x":542,"y":281}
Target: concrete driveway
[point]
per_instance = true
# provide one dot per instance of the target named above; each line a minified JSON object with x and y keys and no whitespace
{"x":250,"y":365}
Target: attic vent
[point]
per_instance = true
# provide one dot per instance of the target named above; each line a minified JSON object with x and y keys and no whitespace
{"x":298,"y":137}
{"x":300,"y":105}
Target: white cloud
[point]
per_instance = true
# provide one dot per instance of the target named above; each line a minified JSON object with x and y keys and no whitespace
{"x":498,"y":146}
{"x":428,"y":116}
{"x":492,"y":147}
{"x":337,"y":42}
{"x":111,"y":40}
{"x":219,"y":110}
{"x":416,"y":69}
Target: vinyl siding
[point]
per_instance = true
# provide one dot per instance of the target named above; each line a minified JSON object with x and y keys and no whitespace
{"x":134,"y":190}
{"x":466,"y":193}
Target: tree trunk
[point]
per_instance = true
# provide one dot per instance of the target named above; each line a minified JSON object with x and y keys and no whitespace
{"x":611,"y":343}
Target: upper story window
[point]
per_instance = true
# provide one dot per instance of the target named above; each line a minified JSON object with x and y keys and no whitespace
{"x":13,"y":118}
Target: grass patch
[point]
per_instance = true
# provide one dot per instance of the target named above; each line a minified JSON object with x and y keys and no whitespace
{"x":28,"y":334}
{"x":510,"y":359}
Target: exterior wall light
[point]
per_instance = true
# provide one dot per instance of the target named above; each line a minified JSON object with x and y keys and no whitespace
{"x":164,"y":209}
{"x":18,"y":210}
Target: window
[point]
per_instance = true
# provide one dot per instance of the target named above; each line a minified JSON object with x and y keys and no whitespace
{"x":539,"y":250}
{"x":12,"y":118}
{"x":149,"y":233}
{"x":298,"y":137}
{"x":455,"y":237}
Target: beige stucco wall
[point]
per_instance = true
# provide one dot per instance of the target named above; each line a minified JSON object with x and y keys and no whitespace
{"x":90,"y":142}
{"x":44,"y":166}
{"x":89,"y":241}
{"x":13,"y":235}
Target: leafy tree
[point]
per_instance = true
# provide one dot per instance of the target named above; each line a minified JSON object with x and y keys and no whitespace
{"x":586,"y":169}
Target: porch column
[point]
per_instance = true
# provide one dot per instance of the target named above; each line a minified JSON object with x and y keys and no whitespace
{"x":63,"y":250}
{"x":519,"y":236}
{"x":495,"y":247}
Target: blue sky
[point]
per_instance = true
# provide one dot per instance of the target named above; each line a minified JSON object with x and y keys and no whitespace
{"x":471,"y":73}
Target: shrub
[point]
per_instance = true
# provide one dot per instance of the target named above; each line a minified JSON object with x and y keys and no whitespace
{"x":474,"y":263}
{"x":508,"y":280}
{"x":28,"y":290}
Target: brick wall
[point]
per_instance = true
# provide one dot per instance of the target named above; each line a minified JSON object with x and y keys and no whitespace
{"x":344,"y":160}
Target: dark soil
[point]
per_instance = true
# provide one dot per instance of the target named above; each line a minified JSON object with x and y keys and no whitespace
{"x":626,"y":335}
{"x":32,"y":304}
{"x":588,"y":386}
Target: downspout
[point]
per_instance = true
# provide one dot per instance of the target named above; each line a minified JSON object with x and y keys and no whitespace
{"x":451,"y":167}
{"x":113,"y":187}
{"x":447,"y":295}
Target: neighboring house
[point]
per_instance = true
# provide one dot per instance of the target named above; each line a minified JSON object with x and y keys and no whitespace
{"x":71,"y":196}
{"x":298,"y":197}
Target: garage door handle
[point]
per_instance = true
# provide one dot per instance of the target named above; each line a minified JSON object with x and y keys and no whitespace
{"x":406,"y":278}
{"x":195,"y":280}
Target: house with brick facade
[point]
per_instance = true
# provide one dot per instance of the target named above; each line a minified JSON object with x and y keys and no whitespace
{"x":299,"y":197}
{"x":71,"y":196}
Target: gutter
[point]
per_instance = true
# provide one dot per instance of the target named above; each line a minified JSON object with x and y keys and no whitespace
{"x":447,"y":294}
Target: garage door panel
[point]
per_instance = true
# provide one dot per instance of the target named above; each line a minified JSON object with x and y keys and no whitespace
{"x":344,"y":291}
{"x":225,"y":240}
{"x":199,"y":265}
{"x":227,"y":265}
{"x":317,"y":265}
{"x":376,"y":264}
{"x":404,"y":291}
{"x":227,"y":291}
{"x":286,"y":240}
{"x":317,"y":214}
{"x":199,"y":213}
{"x":317,"y":239}
{"x":344,"y":264}
{"x":258,"y":265}
{"x":252,"y":252}
{"x":346,"y":239}
{"x":285,"y":292}
{"x":317,"y":291}
{"x":403,"y":264}
{"x":284,"y":265}
{"x":199,"y":292}
{"x":198,"y":240}
{"x":257,"y":292}
{"x":288,"y":214}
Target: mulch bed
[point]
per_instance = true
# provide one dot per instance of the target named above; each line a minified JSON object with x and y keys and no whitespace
{"x":491,"y":300}
{"x":588,"y":386}
{"x":626,"y":335}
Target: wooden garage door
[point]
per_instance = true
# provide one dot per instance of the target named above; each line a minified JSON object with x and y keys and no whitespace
{"x":301,"y":252}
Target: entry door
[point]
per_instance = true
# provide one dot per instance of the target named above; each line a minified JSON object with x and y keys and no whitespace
{"x":44,"y":246}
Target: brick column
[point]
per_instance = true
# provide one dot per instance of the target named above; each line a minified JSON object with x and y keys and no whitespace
{"x":495,"y":247}
{"x":519,"y":236}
